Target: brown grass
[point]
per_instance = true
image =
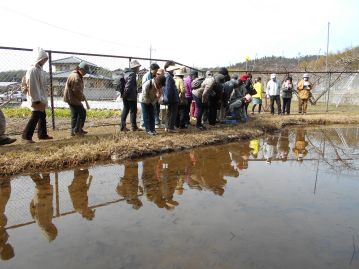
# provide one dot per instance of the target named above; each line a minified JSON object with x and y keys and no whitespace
{"x":107,"y":143}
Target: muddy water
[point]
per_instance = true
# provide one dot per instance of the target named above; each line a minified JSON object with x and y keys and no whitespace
{"x":288,"y":200}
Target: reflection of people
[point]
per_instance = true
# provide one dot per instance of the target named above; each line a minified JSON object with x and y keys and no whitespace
{"x":6,"y":250}
{"x":41,"y":207}
{"x":299,"y":149}
{"x":78,"y":192}
{"x":270,"y":148}
{"x":240,"y":155}
{"x":254,"y":147}
{"x":128,"y":186}
{"x":283,"y":145}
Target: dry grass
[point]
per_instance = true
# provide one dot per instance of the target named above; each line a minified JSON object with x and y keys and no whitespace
{"x":106,"y":143}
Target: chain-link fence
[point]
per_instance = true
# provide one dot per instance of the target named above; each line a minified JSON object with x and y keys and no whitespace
{"x":333,"y":90}
{"x":99,"y":88}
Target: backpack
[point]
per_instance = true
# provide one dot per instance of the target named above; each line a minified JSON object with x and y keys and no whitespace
{"x":196,"y":83}
{"x":120,"y":83}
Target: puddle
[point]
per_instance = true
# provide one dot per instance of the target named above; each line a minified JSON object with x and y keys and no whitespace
{"x":288,"y":200}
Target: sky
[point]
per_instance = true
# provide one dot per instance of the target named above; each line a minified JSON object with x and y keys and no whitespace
{"x":195,"y":33}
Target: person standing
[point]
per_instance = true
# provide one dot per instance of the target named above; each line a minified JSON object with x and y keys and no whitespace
{"x":171,"y":98}
{"x":287,"y":92}
{"x":151,"y":91}
{"x":74,"y":95}
{"x":273,"y":92}
{"x":257,"y":98}
{"x":154,"y":67}
{"x":200,"y":96}
{"x":188,"y":85}
{"x":3,"y":138}
{"x":182,"y":107}
{"x":37,"y":98}
{"x":129,"y":96}
{"x":304,"y":88}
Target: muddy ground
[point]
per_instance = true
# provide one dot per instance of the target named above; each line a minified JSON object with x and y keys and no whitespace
{"x":104,"y":144}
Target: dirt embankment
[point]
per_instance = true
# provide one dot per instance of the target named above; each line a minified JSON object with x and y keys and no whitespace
{"x":107,"y":143}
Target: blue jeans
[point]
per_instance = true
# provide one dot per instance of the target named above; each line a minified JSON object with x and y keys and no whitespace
{"x":148,"y":116}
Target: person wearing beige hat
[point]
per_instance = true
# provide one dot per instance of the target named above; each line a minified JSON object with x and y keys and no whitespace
{"x":304,"y":87}
{"x":182,"y":106}
{"x":129,"y":96}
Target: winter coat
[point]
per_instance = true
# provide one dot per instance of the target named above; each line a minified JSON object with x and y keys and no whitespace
{"x":148,"y":94}
{"x":170,"y":92}
{"x":287,"y":89}
{"x":258,"y":86}
{"x":36,"y":83}
{"x":273,"y":88}
{"x":206,"y":89}
{"x":181,"y":90}
{"x":304,"y":91}
{"x":74,"y":87}
{"x":130,"y":91}
{"x":188,"y":86}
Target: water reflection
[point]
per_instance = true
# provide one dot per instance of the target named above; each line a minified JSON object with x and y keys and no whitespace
{"x":163,"y":182}
{"x":79,"y":193}
{"x":41,"y":206}
{"x":6,"y":249}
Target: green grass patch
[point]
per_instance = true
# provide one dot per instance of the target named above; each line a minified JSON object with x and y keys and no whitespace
{"x":60,"y":113}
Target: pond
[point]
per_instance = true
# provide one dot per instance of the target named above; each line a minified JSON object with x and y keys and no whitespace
{"x":287,"y":200}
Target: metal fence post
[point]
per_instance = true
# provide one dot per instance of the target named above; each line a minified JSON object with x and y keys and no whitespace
{"x":329,"y":77}
{"x":129,"y":62}
{"x":51,"y":92}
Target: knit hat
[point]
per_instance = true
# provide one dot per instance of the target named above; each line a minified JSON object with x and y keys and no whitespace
{"x":84,"y":66}
{"x":273,"y":76}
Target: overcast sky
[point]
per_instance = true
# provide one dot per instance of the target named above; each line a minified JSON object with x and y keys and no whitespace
{"x":199,"y":33}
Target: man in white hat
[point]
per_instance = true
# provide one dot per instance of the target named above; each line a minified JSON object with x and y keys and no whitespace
{"x":304,"y":87}
{"x":129,"y":96}
{"x":273,"y":92}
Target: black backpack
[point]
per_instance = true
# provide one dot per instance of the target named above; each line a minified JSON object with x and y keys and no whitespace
{"x":196,"y":83}
{"x":120,"y":83}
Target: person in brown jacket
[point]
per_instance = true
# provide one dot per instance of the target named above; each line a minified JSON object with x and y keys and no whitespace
{"x":74,"y":95}
{"x":304,"y":87}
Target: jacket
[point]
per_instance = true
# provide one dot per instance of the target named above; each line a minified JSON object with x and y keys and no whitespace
{"x":130,"y":91}
{"x":258,"y":86}
{"x":287,"y":89}
{"x":205,"y":90}
{"x":304,"y":91}
{"x":181,"y":90}
{"x":36,"y":83}
{"x":273,"y":88}
{"x":148,"y":94}
{"x":74,"y":87}
{"x":188,"y":86}
{"x":170,"y":92}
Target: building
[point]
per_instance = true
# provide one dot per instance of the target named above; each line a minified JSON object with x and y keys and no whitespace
{"x":97,"y":86}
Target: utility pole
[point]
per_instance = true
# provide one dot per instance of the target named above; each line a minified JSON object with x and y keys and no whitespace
{"x":151,"y":49}
{"x":326,"y":68}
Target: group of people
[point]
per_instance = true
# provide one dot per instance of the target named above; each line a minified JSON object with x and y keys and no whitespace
{"x":217,"y":97}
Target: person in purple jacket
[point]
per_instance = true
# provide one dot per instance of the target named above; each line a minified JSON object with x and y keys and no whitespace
{"x":187,"y":83}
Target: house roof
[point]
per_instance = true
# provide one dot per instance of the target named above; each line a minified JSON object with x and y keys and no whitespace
{"x":6,"y":84}
{"x":71,"y":60}
{"x":65,"y":74}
